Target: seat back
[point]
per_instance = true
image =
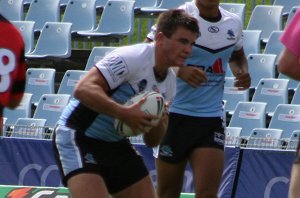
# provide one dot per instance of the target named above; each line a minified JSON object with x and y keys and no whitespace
{"x":265,"y":138}
{"x":29,"y":128}
{"x":296,"y":96}
{"x":292,"y":82}
{"x":12,"y":10}
{"x":54,"y":41}
{"x":143,"y":3}
{"x":249,"y":115}
{"x":274,"y":46}
{"x":82,"y":15}
{"x":287,"y":5}
{"x":39,"y":81}
{"x":168,"y":4}
{"x":22,"y":111}
{"x":232,"y":136}
{"x":50,"y":107}
{"x":70,"y":79}
{"x":236,"y":8}
{"x":27,"y":30}
{"x":251,"y":41}
{"x":261,"y":66}
{"x":292,"y":14}
{"x":293,"y":141}
{"x":96,"y":55}
{"x":271,"y":91}
{"x":117,"y":18}
{"x":266,"y":18}
{"x":42,"y":11}
{"x":287,"y":118}
{"x":232,"y":95}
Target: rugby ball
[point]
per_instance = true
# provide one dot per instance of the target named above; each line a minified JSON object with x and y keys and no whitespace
{"x":154,"y":105}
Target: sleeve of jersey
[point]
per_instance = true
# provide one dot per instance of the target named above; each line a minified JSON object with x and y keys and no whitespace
{"x":114,"y":69}
{"x":239,"y":43}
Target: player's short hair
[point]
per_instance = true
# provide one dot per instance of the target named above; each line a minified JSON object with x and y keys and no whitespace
{"x":169,"y":21}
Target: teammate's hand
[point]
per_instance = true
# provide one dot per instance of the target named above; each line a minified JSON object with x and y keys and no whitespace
{"x":242,"y":81}
{"x":192,"y":75}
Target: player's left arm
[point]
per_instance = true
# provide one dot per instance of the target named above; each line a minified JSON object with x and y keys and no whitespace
{"x":239,"y":67}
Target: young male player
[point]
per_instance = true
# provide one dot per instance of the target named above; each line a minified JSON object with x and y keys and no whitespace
{"x":95,"y":160}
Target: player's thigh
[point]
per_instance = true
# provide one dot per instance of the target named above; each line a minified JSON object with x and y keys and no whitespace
{"x":87,"y":185}
{"x":143,"y":188}
{"x":169,"y":176}
{"x":207,"y":165}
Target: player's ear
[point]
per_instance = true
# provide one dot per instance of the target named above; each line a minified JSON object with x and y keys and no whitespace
{"x":159,"y":37}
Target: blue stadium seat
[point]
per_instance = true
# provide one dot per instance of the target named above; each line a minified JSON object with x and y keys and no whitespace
{"x":232,"y":95}
{"x":27,"y":30}
{"x":97,"y":54}
{"x":292,"y":83}
{"x":39,"y":81}
{"x":53,"y":42}
{"x":251,"y":41}
{"x":236,"y":8}
{"x":22,"y":111}
{"x":12,"y":10}
{"x":232,"y":136}
{"x":287,"y":5}
{"x":70,"y":79}
{"x":287,"y":118}
{"x":296,"y":96}
{"x":274,"y":46}
{"x":249,"y":115}
{"x":261,"y":66}
{"x":266,"y":18}
{"x":42,"y":11}
{"x":292,"y":142}
{"x":29,"y":128}
{"x":82,"y":15}
{"x":50,"y":107}
{"x":271,"y":91}
{"x":116,"y":22}
{"x":265,"y":138}
{"x":291,"y":14}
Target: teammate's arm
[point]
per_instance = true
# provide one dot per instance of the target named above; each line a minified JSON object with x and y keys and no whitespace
{"x":239,"y":67}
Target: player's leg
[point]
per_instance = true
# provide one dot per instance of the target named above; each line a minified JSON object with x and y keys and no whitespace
{"x":87,"y":185}
{"x":207,"y":165}
{"x":169,"y":178}
{"x":143,"y":188}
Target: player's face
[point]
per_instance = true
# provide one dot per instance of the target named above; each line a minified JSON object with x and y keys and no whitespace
{"x":208,"y":3}
{"x":179,"y":46}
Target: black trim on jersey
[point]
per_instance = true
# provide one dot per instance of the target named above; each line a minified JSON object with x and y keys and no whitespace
{"x":3,"y":19}
{"x":212,"y":19}
{"x":83,"y":115}
{"x":212,"y":50}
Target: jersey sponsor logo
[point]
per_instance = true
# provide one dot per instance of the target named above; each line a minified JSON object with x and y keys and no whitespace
{"x":216,"y":68}
{"x":213,"y":29}
{"x":7,"y":65}
{"x":231,"y":35}
{"x":89,"y":159}
{"x":117,"y":68}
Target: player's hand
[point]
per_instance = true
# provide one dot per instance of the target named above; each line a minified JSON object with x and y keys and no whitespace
{"x":192,"y":75}
{"x":242,"y":81}
{"x":136,"y":119}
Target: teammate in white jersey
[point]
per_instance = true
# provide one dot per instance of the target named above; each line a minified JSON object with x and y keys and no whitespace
{"x":196,"y":130}
{"x":97,"y":161}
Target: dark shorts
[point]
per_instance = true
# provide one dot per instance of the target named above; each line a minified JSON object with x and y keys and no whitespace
{"x":118,"y":163}
{"x":186,"y":133}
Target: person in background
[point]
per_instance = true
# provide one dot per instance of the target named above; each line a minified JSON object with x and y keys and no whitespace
{"x":195,"y":132}
{"x":12,"y":67}
{"x":95,"y":159}
{"x":289,"y":65}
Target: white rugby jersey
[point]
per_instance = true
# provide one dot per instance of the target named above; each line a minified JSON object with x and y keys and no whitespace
{"x":211,"y":53}
{"x":128,"y":71}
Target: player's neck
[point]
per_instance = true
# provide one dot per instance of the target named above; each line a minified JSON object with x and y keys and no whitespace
{"x":209,"y":13}
{"x":160,"y":74}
